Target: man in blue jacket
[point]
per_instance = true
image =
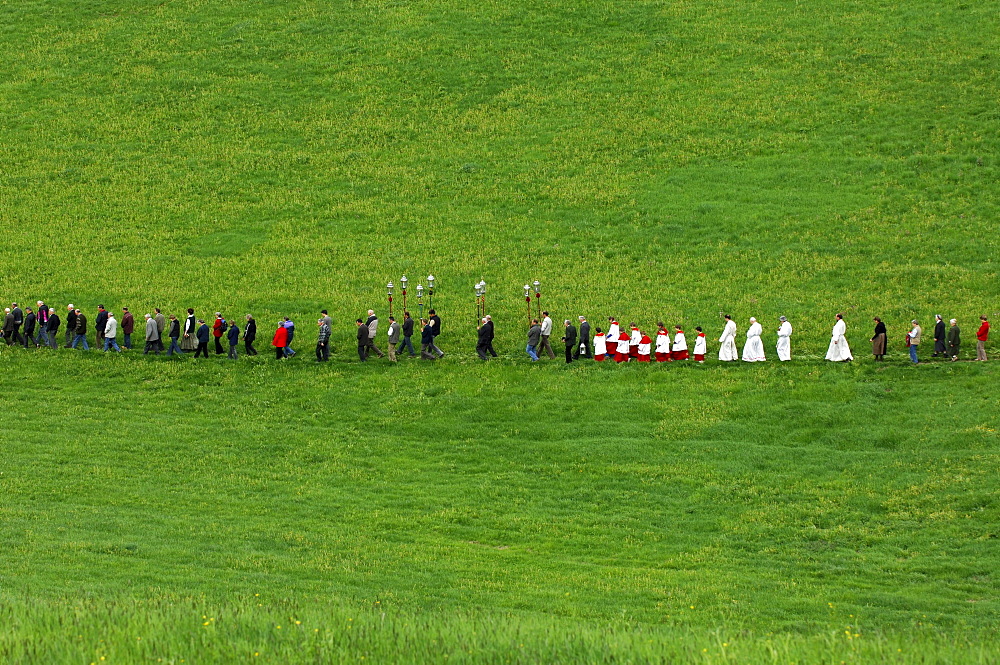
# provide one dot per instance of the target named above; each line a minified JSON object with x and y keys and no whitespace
{"x":203,"y":334}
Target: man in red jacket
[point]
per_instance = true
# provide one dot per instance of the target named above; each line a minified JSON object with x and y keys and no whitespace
{"x":982,"y":335}
{"x":127,"y":326}
{"x":218,"y":328}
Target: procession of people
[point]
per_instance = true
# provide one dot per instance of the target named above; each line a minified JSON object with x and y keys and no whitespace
{"x":39,"y":327}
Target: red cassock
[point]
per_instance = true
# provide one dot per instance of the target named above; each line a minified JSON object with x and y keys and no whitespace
{"x":644,"y":344}
{"x":621,"y":353}
{"x":633,"y":344}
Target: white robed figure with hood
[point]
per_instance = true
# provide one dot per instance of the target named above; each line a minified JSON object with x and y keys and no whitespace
{"x":839,"y":351}
{"x":784,"y":339}
{"x":753,"y":350}
{"x":727,"y":348}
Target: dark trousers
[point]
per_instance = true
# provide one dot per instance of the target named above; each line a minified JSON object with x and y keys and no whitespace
{"x":202,"y":348}
{"x":248,"y":345}
{"x":174,"y":346}
{"x":371,"y":348}
{"x":546,"y":347}
{"x":16,"y":336}
{"x":70,"y":334}
{"x":321,"y":351}
{"x":128,"y":340}
{"x":152,"y":345}
{"x":232,"y":351}
{"x":406,"y":344}
{"x":29,"y":336}
{"x":218,"y":346}
{"x":363,"y":351}
{"x":587,"y":351}
{"x":481,"y":351}
{"x":279,"y":352}
{"x":52,"y":339}
{"x":569,"y":352}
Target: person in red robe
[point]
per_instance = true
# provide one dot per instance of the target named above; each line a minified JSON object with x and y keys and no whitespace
{"x":633,"y":344}
{"x":644,"y":344}
{"x":621,"y":353}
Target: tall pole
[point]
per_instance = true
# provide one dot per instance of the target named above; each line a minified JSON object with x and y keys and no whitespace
{"x":420,"y":299}
{"x":389,"y":287}
{"x":430,"y":292}
{"x":538,"y":298}
{"x":402,"y":283}
{"x":527,"y":300}
{"x":482,"y":290}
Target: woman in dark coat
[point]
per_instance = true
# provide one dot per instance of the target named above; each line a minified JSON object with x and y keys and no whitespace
{"x":879,"y":340}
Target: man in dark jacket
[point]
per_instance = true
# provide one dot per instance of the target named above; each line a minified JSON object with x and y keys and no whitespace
{"x":18,"y":322}
{"x":29,"y":327}
{"x":426,"y":339}
{"x":152,"y":336}
{"x":218,"y":329}
{"x":99,"y":324}
{"x":81,"y":330}
{"x":161,"y":326}
{"x":249,"y":335}
{"x":323,"y":340}
{"x":52,"y":328}
{"x":174,"y":334}
{"x":939,"y":334}
{"x":42,"y":316}
{"x":203,"y":336}
{"x":570,"y":339}
{"x":954,"y":340}
{"x":485,"y":341}
{"x":70,"y":324}
{"x":8,"y":327}
{"x":435,"y":321}
{"x":407,"y":334}
{"x":585,"y":349}
{"x":127,"y":326}
{"x":233,"y":335}
{"x":362,"y":340}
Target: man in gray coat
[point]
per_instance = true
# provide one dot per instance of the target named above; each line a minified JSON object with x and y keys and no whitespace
{"x":394,"y":332}
{"x":372,"y":325}
{"x":152,"y":336}
{"x":534,"y":334}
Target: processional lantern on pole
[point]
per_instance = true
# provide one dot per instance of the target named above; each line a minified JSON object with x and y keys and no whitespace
{"x":402,"y":284}
{"x":527,"y":300}
{"x":538,"y":298}
{"x":479,"y":294}
{"x":389,"y":288}
{"x":420,"y":299}
{"x":430,"y":291}
{"x":482,"y":295}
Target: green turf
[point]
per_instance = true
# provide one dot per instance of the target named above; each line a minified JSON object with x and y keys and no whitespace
{"x":647,"y":160}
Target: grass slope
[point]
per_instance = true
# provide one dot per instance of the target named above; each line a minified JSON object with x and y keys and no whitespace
{"x":650,"y":160}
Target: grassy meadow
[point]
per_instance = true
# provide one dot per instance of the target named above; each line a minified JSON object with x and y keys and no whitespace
{"x":649,"y":160}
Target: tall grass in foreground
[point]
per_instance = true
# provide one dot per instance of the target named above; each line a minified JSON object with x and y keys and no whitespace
{"x":193,"y":631}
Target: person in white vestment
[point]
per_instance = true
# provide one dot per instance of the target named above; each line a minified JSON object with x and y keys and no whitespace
{"x":753,"y":350}
{"x":784,"y":339}
{"x":839,"y":351}
{"x":611,"y":337}
{"x":727,"y":348}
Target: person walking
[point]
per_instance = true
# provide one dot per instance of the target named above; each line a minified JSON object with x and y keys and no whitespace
{"x":52,"y":329}
{"x":393,"y":333}
{"x":152,"y":336}
{"x":490,"y":336}
{"x":81,"y":330}
{"x":700,"y":345}
{"x":485,"y":339}
{"x":585,"y":350}
{"x":679,"y":351}
{"x":111,"y":333}
{"x":161,"y":327}
{"x":600,"y":345}
{"x":362,"y":340}
{"x":982,"y":336}
{"x":203,"y":334}
{"x":534,"y":335}
{"x":954,"y":339}
{"x":939,"y":338}
{"x":372,"y":325}
{"x":784,"y":347}
{"x":30,"y":322}
{"x":100,"y":323}
{"x":546,"y":333}
{"x":249,"y":335}
{"x":662,"y":349}
{"x":435,"y":322}
{"x":42,"y":316}
{"x":323,"y":339}
{"x":879,"y":340}
{"x":329,"y":324}
{"x":753,"y":350}
{"x":482,"y":332}
{"x":427,"y":339}
{"x":913,"y":341}
{"x":127,"y":326}
{"x":70,"y":324}
{"x":233,"y":337}
{"x":839,"y":350}
{"x":290,"y":328}
{"x":407,"y":343}
{"x":569,"y":338}
{"x":189,"y":334}
{"x":219,"y":329}
{"x":280,"y":341}
{"x":727,"y":348}
{"x":8,"y":327}
{"x":18,"y":322}
{"x":174,"y":334}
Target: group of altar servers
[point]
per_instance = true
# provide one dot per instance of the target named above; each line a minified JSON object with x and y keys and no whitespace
{"x":621,"y":345}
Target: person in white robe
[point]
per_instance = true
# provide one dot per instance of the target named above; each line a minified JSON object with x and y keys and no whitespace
{"x":699,"y":345}
{"x":600,"y":345}
{"x":753,"y":350}
{"x":727,"y":348}
{"x":644,"y":344}
{"x":839,"y":351}
{"x":784,"y":339}
{"x":612,"y":335}
{"x":680,"y":348}
{"x":662,"y":344}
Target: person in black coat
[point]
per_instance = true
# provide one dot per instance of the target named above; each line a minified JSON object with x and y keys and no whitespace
{"x":51,"y":328}
{"x":18,"y":315}
{"x":485,"y":340}
{"x":203,"y":336}
{"x":585,"y":349}
{"x":435,"y":322}
{"x":29,"y":327}
{"x":70,"y":324}
{"x":249,"y":335}
{"x":100,"y":323}
{"x":233,"y":335}
{"x":174,"y":333}
{"x":407,"y":343}
{"x":362,"y":340}
{"x":570,"y":339}
{"x":939,"y":338}
{"x":426,"y":339}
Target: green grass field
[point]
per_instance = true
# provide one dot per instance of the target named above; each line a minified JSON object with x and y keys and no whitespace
{"x":648,"y":160}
